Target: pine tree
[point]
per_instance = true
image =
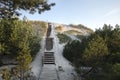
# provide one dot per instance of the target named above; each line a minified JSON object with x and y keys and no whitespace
{"x":96,"y":51}
{"x":9,"y":8}
{"x":114,"y":46}
{"x":115,"y":40}
{"x":1,"y":48}
{"x":5,"y":31}
{"x":24,"y":59}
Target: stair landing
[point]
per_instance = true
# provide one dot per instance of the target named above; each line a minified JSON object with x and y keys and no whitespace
{"x":49,"y":72}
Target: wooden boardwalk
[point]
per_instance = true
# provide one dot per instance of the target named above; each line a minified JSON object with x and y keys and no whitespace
{"x":49,"y":72}
{"x":49,"y":43}
{"x":48,"y":30}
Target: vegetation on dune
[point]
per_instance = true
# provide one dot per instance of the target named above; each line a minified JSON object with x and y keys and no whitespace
{"x":39,"y":26}
{"x":63,"y":38}
{"x":71,"y":51}
{"x":98,"y":52}
{"x":81,"y":37}
{"x":58,"y":28}
{"x":80,"y":26}
{"x":73,"y":32}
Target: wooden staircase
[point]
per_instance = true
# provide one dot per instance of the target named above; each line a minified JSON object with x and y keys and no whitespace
{"x":48,"y":30}
{"x":49,"y":43}
{"x":48,"y":58}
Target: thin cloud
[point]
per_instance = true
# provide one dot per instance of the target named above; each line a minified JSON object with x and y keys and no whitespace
{"x":112,"y":12}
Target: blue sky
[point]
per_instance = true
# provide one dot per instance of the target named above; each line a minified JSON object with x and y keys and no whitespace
{"x":91,"y":13}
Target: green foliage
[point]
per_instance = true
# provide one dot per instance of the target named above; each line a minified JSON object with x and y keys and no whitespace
{"x":13,"y":34}
{"x":105,"y":31}
{"x":96,"y":51}
{"x":40,"y":27}
{"x":80,"y":37}
{"x":112,"y":38}
{"x":5,"y":31}
{"x":63,"y":38}
{"x":34,"y":45}
{"x":19,"y":40}
{"x":116,"y":69}
{"x":24,"y":59}
{"x":5,"y":74}
{"x":2,"y":48}
{"x":20,"y":33}
{"x":73,"y":52}
{"x":10,"y":8}
{"x":101,"y":51}
{"x":39,"y":30}
{"x":115,"y":40}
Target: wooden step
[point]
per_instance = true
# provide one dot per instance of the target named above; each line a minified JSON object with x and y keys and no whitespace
{"x":49,"y":62}
{"x":48,"y":58}
{"x":48,"y":55}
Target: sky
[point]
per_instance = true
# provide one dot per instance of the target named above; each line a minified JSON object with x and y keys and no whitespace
{"x":91,"y":13}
